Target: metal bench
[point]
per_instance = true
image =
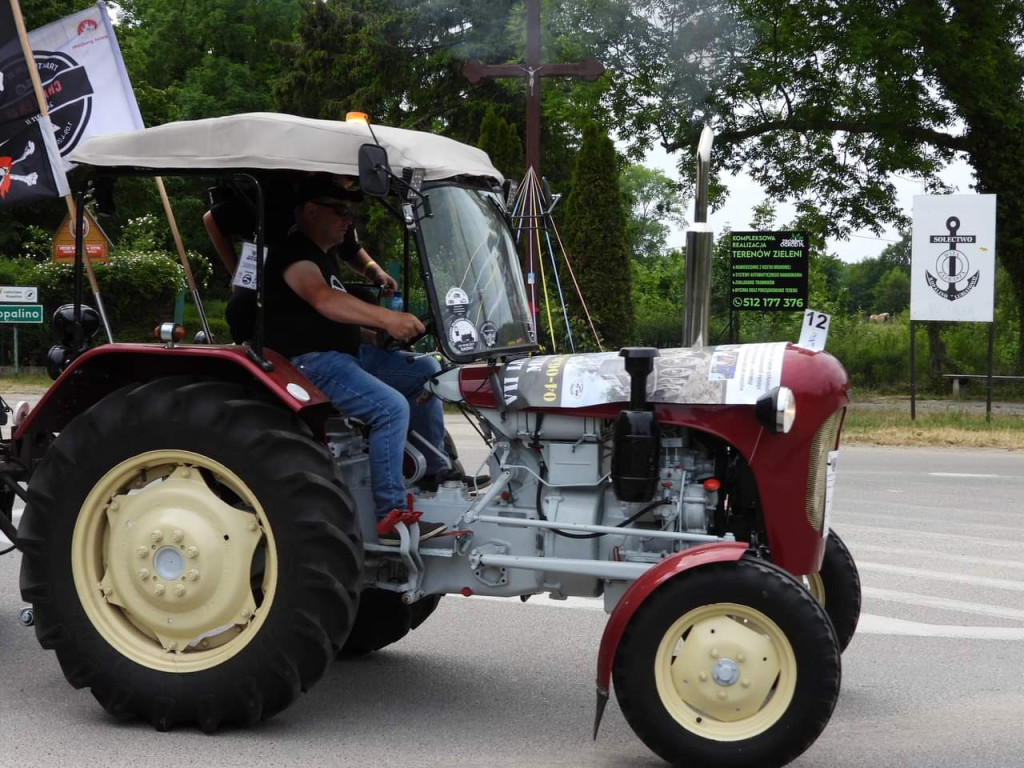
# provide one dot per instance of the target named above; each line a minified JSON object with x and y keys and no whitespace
{"x":957,"y":378}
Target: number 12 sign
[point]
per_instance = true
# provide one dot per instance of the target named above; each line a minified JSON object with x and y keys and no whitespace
{"x":814,"y":331}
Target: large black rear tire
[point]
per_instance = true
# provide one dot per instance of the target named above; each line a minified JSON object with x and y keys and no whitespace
{"x":190,"y":554}
{"x":728,"y":665}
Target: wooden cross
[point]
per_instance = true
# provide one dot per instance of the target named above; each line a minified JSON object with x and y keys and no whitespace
{"x":474,"y":71}
{"x":591,"y":69}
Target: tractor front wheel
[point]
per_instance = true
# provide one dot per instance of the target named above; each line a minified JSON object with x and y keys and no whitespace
{"x":730,"y":664}
{"x":384,"y":619}
{"x":189,"y":554}
{"x":837,"y":587}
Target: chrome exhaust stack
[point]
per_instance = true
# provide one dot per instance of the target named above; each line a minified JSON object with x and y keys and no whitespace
{"x":699,"y":242}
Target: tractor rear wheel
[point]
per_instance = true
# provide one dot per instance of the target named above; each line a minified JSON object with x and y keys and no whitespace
{"x":190,"y":555}
{"x":729,"y":664}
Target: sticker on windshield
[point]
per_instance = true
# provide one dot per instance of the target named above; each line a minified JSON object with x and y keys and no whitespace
{"x":490,"y":333}
{"x":462,"y":336}
{"x":457,"y":301}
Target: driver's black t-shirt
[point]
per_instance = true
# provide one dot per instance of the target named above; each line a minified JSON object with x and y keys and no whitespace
{"x":293,"y":327}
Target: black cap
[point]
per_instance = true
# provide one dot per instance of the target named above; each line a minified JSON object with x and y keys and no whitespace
{"x":325,"y":186}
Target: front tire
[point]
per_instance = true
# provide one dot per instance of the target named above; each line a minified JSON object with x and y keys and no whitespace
{"x":189,"y":554}
{"x":384,"y":619}
{"x":730,"y":664}
{"x":836,"y":586}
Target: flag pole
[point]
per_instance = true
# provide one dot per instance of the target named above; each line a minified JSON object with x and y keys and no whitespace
{"x":189,"y":278}
{"x":37,"y":86}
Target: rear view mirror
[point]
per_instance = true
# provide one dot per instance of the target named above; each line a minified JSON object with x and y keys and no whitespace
{"x":374,"y":173}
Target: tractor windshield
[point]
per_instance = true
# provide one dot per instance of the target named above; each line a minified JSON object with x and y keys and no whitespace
{"x":473,"y":273}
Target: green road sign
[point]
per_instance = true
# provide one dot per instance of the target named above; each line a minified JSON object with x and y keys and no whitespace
{"x":21,"y":313}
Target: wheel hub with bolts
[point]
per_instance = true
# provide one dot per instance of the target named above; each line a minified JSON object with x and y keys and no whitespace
{"x":724,"y":669}
{"x":178,"y":559}
{"x":726,"y":672}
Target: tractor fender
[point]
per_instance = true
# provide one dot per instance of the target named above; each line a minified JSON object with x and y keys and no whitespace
{"x":104,"y":369}
{"x":641,"y":589}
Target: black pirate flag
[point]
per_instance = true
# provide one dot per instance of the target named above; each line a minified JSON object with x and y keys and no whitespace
{"x":30,"y":165}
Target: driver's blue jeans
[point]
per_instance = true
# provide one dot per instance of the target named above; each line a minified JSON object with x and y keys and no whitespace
{"x":384,"y":389}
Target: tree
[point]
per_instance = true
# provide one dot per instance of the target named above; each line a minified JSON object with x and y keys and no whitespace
{"x":823,"y":101}
{"x":204,"y":58}
{"x":860,"y":279}
{"x":498,"y":138}
{"x":595,"y":234}
{"x":892,"y":294}
{"x":653,"y":204}
{"x":399,"y":60}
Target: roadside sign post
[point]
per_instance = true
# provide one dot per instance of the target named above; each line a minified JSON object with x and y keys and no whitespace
{"x":21,"y":312}
{"x":953,"y":270}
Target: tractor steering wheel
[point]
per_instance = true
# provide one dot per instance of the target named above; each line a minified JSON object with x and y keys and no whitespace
{"x":388,"y":342}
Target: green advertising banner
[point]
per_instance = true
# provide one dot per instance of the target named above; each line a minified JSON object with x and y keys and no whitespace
{"x":21,"y":313}
{"x":768,"y":270}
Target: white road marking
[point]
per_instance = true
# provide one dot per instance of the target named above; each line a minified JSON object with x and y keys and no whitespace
{"x":930,"y":510}
{"x":958,"y":474}
{"x":974,"y":526}
{"x":956,"y":578}
{"x":942,"y":603}
{"x":883,"y":625}
{"x":934,"y":555}
{"x":951,"y":537}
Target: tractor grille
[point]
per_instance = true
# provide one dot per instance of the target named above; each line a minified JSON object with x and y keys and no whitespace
{"x":824,"y":441}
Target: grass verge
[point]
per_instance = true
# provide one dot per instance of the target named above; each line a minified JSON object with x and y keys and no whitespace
{"x":25,"y":384}
{"x":936,"y":429}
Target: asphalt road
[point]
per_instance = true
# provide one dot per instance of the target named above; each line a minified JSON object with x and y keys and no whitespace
{"x":932,"y":679}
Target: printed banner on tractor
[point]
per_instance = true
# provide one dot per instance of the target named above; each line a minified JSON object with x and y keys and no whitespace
{"x":730,"y":374}
{"x":30,"y":165}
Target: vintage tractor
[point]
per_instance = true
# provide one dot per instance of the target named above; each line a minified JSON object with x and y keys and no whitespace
{"x":199,"y":540}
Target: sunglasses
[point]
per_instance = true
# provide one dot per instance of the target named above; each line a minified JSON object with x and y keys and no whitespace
{"x":340,"y":209}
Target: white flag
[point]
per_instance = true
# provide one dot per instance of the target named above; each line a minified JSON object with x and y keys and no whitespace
{"x":84,"y":79}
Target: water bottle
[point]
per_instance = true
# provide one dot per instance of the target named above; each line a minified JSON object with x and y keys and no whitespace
{"x":397,"y":305}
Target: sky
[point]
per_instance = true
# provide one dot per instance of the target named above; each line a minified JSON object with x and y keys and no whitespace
{"x":744,"y":194}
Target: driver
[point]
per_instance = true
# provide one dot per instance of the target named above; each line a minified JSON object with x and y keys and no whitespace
{"x":232,"y":216}
{"x":311,"y":319}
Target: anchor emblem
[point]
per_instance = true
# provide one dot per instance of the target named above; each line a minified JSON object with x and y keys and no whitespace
{"x":952,"y":266}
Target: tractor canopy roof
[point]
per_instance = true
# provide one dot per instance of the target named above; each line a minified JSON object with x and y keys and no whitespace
{"x":269,"y":141}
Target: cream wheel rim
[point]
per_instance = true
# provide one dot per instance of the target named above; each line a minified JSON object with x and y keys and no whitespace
{"x":166,"y":558}
{"x":725,"y":672}
{"x":816,"y":587}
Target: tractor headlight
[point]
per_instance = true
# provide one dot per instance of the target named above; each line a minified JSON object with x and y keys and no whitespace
{"x":776,"y":410}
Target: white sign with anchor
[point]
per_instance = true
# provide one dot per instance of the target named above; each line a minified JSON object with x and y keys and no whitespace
{"x":953,"y":258}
